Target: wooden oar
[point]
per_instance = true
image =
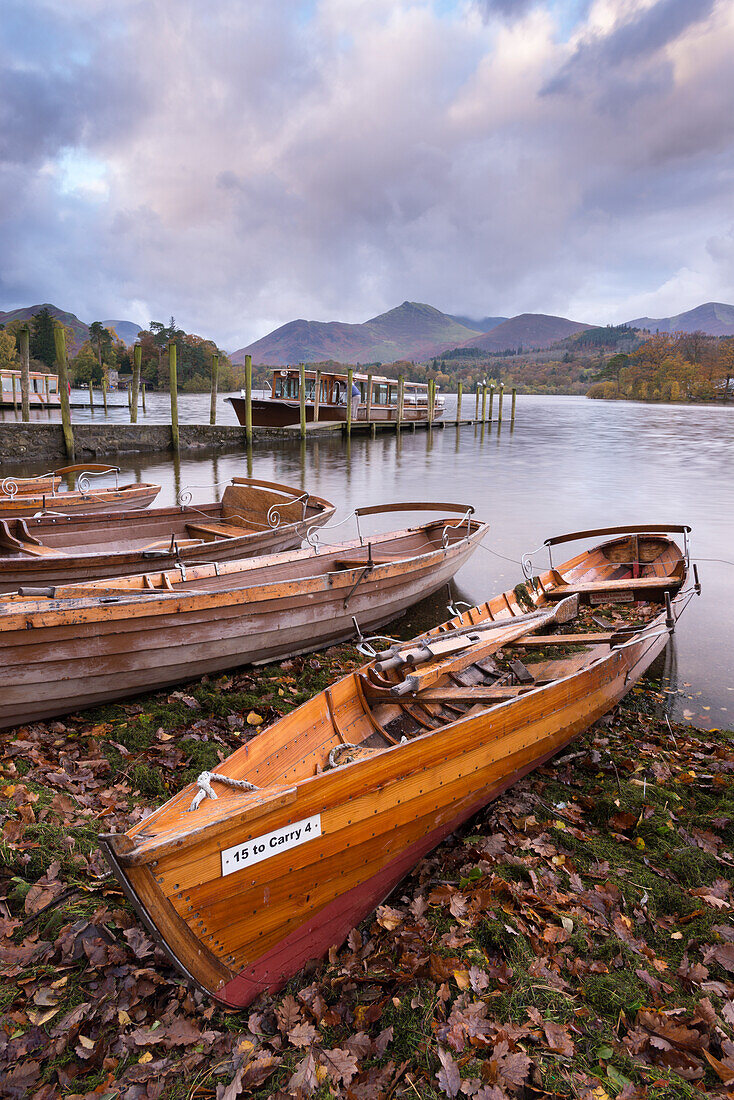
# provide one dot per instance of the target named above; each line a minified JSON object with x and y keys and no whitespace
{"x":414,"y":652}
{"x":440,"y":659}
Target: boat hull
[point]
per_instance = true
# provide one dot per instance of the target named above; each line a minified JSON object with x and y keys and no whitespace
{"x":66,"y":559}
{"x":62,"y":654}
{"x":273,"y":413}
{"x":377,"y":819}
{"x":71,"y":503}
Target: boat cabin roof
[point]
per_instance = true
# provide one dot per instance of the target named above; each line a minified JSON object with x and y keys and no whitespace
{"x":336,"y":376}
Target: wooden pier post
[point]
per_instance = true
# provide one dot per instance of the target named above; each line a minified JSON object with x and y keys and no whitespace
{"x":142,"y":394}
{"x":458,"y":404}
{"x":368,"y":409}
{"x":350,"y":383}
{"x":431,"y":400}
{"x":104,"y":395}
{"x":130,"y":400}
{"x":15,"y":399}
{"x":401,"y":397}
{"x":91,"y":396}
{"x":248,"y":399}
{"x":60,"y":346}
{"x":173,"y":376}
{"x":302,"y":397}
{"x":484,"y":401}
{"x":514,"y":403}
{"x":25,"y":376}
{"x":491,"y":402}
{"x":499,"y":403}
{"x":316,"y":395}
{"x":48,"y":390}
{"x":476,"y":406}
{"x":215,"y":379}
{"x":137,"y":363}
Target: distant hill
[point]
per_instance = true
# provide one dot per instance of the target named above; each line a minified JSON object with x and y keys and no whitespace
{"x":715,"y":318}
{"x":80,"y":330}
{"x":126,"y":330}
{"x":410,"y":331}
{"x":527,"y":330}
{"x":483,"y":325}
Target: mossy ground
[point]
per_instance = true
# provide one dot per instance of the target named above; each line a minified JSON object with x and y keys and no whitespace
{"x":638,"y":813}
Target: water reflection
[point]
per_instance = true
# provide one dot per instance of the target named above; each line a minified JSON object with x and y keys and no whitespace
{"x":570,"y":464}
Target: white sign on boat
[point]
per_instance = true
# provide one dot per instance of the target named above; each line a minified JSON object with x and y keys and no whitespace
{"x":270,"y":844}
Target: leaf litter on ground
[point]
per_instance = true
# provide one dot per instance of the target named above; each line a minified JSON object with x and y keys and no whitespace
{"x":573,"y":940}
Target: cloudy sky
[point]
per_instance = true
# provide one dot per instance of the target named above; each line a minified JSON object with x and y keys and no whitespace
{"x":240,"y":164}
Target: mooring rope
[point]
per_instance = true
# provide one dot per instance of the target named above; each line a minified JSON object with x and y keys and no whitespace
{"x":204,"y":783}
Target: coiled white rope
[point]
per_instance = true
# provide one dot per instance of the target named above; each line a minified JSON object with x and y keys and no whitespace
{"x":204,"y":783}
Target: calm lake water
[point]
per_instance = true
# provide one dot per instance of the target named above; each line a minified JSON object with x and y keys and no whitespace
{"x":569,"y":464}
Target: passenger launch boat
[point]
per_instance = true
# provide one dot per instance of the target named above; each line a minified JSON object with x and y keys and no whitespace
{"x":292,"y":841}
{"x":26,"y":496}
{"x":254,"y":517}
{"x":378,"y":399}
{"x":73,"y":646}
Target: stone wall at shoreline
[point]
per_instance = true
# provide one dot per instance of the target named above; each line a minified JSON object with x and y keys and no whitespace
{"x":46,"y":441}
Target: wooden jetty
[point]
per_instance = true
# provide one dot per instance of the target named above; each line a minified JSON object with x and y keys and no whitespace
{"x":275,"y":855}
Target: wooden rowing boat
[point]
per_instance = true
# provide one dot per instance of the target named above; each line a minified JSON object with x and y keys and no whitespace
{"x":72,"y":646}
{"x":27,"y":496}
{"x":347,"y":792}
{"x":254,"y":517}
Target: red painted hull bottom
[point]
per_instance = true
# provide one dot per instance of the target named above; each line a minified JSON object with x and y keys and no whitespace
{"x":332,"y":924}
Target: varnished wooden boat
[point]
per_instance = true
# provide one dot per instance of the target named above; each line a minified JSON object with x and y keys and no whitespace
{"x":346,"y":793}
{"x":71,"y":646}
{"x":254,"y":517}
{"x":27,"y":496}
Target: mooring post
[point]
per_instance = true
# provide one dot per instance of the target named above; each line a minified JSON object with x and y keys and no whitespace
{"x":173,"y":377}
{"x":137,"y":363}
{"x":60,"y":346}
{"x":215,"y":378}
{"x":142,"y":394}
{"x":248,"y":399}
{"x":316,"y":395}
{"x":130,"y":400}
{"x":104,"y":395}
{"x":458,"y":404}
{"x":91,"y":396}
{"x":302,"y":397}
{"x":491,"y":402}
{"x":476,"y":403}
{"x":48,"y":389}
{"x":25,"y":375}
{"x":350,"y":383}
{"x":514,"y":402}
{"x":368,"y":410}
{"x":499,"y":403}
{"x":484,"y":401}
{"x":401,"y":398}
{"x":15,"y":399}
{"x":431,"y":401}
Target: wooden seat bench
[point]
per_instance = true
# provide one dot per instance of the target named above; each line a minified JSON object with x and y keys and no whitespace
{"x":627,"y":584}
{"x":215,"y":530}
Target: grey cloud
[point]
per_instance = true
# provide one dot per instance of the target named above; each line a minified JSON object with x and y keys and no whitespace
{"x":506,"y":9}
{"x":636,"y":39}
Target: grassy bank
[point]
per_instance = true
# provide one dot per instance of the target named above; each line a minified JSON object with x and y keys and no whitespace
{"x":575,"y":939}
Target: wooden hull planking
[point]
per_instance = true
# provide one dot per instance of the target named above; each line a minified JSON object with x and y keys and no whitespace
{"x":67,"y":503}
{"x":274,"y":413}
{"x":79,"y":548}
{"x":258,"y":926}
{"x":64,"y":653}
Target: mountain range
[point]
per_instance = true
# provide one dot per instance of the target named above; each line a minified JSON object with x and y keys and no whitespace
{"x":126,"y":330}
{"x":413,"y":331}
